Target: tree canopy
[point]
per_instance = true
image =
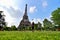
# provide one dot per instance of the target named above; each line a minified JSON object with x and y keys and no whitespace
{"x":56,"y":17}
{"x":47,"y":23}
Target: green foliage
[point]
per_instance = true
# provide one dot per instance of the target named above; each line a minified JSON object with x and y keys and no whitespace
{"x":30,"y":28}
{"x":28,"y":35}
{"x":13,"y":28}
{"x":6,"y":28}
{"x":35,"y":26}
{"x":56,"y":16}
{"x":39,"y":26}
{"x":2,"y":20}
{"x":47,"y":24}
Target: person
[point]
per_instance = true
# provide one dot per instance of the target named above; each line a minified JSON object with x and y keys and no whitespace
{"x":32,"y":26}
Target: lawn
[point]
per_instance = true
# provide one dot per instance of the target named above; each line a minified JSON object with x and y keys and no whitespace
{"x":29,"y":35}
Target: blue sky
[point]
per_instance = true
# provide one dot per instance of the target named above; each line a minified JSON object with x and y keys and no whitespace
{"x":37,"y":10}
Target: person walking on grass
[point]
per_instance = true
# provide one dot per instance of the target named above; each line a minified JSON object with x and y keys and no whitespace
{"x":32,"y":26}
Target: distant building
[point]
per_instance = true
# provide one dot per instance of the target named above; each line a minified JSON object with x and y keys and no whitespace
{"x":2,"y":21}
{"x":25,"y":21}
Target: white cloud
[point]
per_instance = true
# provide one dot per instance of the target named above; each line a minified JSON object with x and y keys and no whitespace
{"x":8,"y":18}
{"x":7,"y":3}
{"x":44,"y":3}
{"x":12,"y":16}
{"x":32,"y":9}
{"x":12,"y":13}
{"x":36,"y":20}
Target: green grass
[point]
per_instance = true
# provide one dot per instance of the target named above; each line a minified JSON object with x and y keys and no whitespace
{"x":29,"y":35}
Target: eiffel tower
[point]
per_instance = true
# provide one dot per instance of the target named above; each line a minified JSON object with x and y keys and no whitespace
{"x":25,"y":21}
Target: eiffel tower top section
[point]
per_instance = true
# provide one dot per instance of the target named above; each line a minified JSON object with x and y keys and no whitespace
{"x":26,"y":10}
{"x":25,"y":14}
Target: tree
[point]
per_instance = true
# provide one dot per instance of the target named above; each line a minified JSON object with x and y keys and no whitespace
{"x":35,"y":26}
{"x":56,"y":17}
{"x":2,"y":21}
{"x":39,"y":26}
{"x":13,"y":28}
{"x":47,"y":24}
{"x":7,"y":28}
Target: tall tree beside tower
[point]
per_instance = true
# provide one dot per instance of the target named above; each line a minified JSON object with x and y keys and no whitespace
{"x":2,"y":20}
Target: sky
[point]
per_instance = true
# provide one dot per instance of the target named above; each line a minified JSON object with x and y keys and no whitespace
{"x":37,"y":10}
